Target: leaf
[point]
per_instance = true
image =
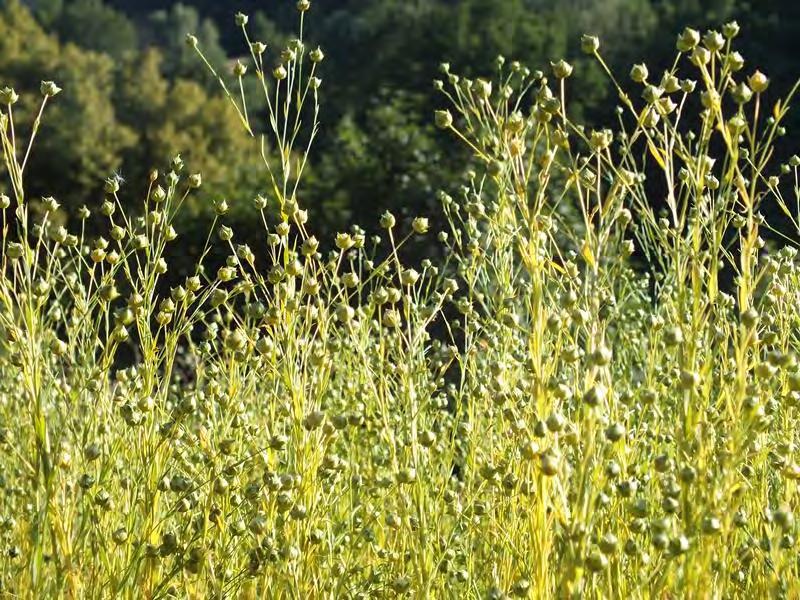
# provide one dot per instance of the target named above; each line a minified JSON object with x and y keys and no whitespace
{"x":784,"y":208}
{"x":587,"y":254}
{"x":657,"y":154}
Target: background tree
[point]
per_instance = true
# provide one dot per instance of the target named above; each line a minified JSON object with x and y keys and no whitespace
{"x":166,"y":29}
{"x":83,"y":142}
{"x":135,"y":93}
{"x":96,"y":26}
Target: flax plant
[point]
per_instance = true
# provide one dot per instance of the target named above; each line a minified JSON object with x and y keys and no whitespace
{"x":594,"y":394}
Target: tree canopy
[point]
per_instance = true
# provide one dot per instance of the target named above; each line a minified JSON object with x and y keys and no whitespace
{"x":135,"y":93}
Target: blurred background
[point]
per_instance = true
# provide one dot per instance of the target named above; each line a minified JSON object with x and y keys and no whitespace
{"x":135,"y":94}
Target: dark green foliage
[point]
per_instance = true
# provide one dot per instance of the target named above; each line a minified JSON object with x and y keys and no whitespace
{"x":96,"y":26}
{"x":376,"y":151}
{"x":166,"y":29}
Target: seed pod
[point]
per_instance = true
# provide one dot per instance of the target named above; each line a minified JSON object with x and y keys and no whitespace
{"x":8,"y":96}
{"x":561,"y":69}
{"x":316,"y":55}
{"x":409,"y":277}
{"x":688,"y":39}
{"x":730,"y":30}
{"x":407,"y":475}
{"x":689,"y":380}
{"x":596,"y":561}
{"x":679,"y":545}
{"x":420,"y":225}
{"x":711,"y":525}
{"x":590,"y":44}
{"x":639,"y":73}
{"x":548,"y":462}
{"x":713,"y":40}
{"x":443,"y":119}
{"x":120,"y":536}
{"x":49,"y":89}
{"x":258,"y":524}
{"x":615,"y":432}
{"x":313,"y":420}
{"x":758,"y":82}
{"x":596,"y":395}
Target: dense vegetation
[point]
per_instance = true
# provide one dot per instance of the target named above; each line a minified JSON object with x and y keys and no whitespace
{"x":583,"y":383}
{"x":137,"y":94}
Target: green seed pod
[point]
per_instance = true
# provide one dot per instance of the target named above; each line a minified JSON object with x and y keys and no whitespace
{"x":344,"y":241}
{"x":314,"y":420}
{"x":639,"y":73}
{"x":8,"y":96}
{"x":443,"y":119}
{"x":749,"y":318}
{"x":555,"y":422}
{"x":711,"y":525}
{"x":49,"y":89}
{"x":400,"y":585}
{"x":730,"y":30}
{"x":120,"y":536}
{"x":596,"y":395}
{"x":601,"y":357}
{"x":758,"y":82}
{"x":608,"y":544}
{"x":103,"y":499}
{"x":673,"y":336}
{"x":420,"y":225}
{"x":689,"y":380}
{"x":596,"y":561}
{"x":615,"y":432}
{"x":660,"y":541}
{"x":407,"y":475}
{"x":670,"y":505}
{"x":679,"y":545}
{"x":316,"y":55}
{"x":107,"y":208}
{"x":14,"y":250}
{"x":409,"y":277}
{"x":627,"y":488}
{"x":258,"y":524}
{"x":482,"y":89}
{"x":548,"y":462}
{"x":239,"y":69}
{"x":688,"y":474}
{"x":688,"y":39}
{"x":713,"y":40}
{"x":280,"y":73}
{"x":590,"y":44}
{"x":220,"y":207}
{"x":427,"y":438}
{"x":561,"y":69}
{"x":741,"y":93}
{"x":639,"y":508}
{"x":159,"y":194}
